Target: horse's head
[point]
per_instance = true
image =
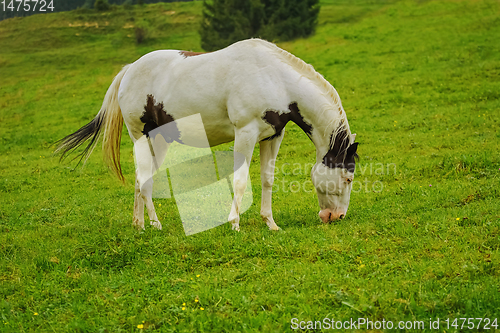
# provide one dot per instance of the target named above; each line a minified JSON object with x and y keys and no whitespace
{"x":333,"y":178}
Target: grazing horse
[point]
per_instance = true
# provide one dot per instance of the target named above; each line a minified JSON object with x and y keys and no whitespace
{"x":245,"y":93}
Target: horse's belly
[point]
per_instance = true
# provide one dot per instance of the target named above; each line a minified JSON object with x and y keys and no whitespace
{"x":219,"y":133}
{"x":198,"y":126}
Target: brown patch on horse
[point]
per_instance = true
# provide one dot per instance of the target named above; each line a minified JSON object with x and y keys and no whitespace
{"x":187,"y":54}
{"x":342,"y":154}
{"x":155,"y":116}
{"x":278,"y":121}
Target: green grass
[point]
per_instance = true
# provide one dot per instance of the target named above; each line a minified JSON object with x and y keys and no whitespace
{"x":420,"y":82}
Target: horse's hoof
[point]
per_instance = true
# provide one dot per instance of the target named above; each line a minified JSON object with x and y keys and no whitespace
{"x":274,"y":228}
{"x":271,"y":224}
{"x":138,"y":225}
{"x":156,"y":224}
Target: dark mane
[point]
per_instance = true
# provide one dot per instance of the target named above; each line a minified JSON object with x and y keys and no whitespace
{"x":341,"y":154}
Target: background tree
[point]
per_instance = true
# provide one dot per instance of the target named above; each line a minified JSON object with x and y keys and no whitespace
{"x":101,"y":5}
{"x":289,"y":19}
{"x":227,"y":21}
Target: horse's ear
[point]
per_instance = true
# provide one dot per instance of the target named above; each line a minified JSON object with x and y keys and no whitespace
{"x":351,"y":151}
{"x":353,"y":137}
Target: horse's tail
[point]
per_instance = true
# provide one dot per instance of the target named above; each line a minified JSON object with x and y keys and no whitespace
{"x":107,"y":123}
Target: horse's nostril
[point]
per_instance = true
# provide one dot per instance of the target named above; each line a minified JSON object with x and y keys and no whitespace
{"x":341,"y":216}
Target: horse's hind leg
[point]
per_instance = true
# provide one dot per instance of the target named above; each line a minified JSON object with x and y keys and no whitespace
{"x":147,"y":164}
{"x":268,"y":152}
{"x":138,"y":221}
{"x":244,"y":143}
{"x":147,"y":194}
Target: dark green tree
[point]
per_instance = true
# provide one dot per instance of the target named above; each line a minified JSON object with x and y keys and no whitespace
{"x":289,"y":19}
{"x":101,"y":5}
{"x":227,"y":21}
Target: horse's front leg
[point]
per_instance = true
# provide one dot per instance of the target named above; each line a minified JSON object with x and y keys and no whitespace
{"x":244,"y":143}
{"x":268,"y":152}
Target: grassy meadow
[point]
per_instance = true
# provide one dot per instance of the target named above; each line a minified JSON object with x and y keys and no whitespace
{"x":420,"y":82}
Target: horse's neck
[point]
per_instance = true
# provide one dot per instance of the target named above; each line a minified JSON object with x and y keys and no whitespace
{"x":317,"y":101}
{"x":324,"y":113}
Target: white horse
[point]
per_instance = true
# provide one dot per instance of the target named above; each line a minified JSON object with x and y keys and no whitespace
{"x":245,"y":93}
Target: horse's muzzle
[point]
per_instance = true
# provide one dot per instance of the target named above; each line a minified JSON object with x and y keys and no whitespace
{"x":326,"y":215}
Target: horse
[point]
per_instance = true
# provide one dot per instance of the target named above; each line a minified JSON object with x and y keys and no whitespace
{"x":246,"y":93}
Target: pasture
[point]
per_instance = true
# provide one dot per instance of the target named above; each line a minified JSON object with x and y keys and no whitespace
{"x":420,"y":83}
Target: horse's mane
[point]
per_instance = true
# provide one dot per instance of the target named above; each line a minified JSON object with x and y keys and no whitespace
{"x":337,"y":124}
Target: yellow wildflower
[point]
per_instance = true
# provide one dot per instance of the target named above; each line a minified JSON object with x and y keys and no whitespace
{"x":202,"y":309}
{"x":140,"y":326}
{"x":183,"y":308}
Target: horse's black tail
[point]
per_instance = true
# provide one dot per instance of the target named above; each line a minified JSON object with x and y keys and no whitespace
{"x":107,"y":123}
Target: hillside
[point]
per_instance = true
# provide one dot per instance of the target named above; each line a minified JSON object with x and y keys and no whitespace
{"x":420,"y":83}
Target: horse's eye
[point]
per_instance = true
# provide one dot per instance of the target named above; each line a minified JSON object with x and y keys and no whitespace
{"x":348,"y":180}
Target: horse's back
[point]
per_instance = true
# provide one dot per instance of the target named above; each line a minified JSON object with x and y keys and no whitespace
{"x":229,"y":87}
